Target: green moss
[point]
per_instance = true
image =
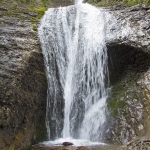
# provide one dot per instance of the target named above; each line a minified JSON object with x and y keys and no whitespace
{"x":115,"y":101}
{"x":19,"y":7}
{"x":103,"y":3}
{"x":7,"y":93}
{"x":34,"y":27}
{"x":33,"y":20}
{"x":40,"y":11}
{"x":10,"y":12}
{"x":14,"y":4}
{"x":122,"y":92}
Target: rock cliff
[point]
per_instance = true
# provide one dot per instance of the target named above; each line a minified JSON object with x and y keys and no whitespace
{"x":23,"y":84}
{"x":129,"y":65}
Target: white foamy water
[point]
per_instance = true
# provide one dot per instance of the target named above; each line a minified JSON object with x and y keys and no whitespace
{"x":73,"y":42}
{"x":76,"y":142}
{"x":78,"y":2}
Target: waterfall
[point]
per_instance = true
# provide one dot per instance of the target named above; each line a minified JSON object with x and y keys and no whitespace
{"x":78,"y":2}
{"x":73,"y":42}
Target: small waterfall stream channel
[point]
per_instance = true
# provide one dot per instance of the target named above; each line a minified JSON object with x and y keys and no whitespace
{"x":73,"y":41}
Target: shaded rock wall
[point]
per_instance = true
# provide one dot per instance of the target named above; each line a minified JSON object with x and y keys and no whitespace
{"x":23,"y":85}
{"x":127,"y":102}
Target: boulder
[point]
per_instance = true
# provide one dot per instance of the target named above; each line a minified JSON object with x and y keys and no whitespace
{"x":67,"y":143}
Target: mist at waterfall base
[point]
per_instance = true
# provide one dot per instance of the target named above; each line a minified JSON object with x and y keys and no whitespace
{"x":73,"y":42}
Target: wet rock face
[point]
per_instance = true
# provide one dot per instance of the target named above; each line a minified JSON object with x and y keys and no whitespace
{"x":67,"y":143}
{"x":23,"y":85}
{"x":138,"y":19}
{"x":127,"y":99}
{"x":60,"y":147}
{"x":129,"y":66}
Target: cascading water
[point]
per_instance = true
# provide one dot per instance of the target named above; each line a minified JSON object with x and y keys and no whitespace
{"x":73,"y":41}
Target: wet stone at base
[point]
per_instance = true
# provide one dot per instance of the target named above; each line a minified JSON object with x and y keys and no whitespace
{"x":44,"y":147}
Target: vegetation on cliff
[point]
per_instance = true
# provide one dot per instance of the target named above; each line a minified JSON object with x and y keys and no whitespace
{"x":118,"y":2}
{"x":31,"y":10}
{"x":24,"y":6}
